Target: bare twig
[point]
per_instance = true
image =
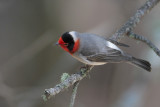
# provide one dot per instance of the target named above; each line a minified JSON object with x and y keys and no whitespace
{"x":126,"y":29}
{"x":75,"y":87}
{"x":134,"y":20}
{"x":145,"y":40}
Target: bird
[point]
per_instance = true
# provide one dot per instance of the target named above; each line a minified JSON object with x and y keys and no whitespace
{"x":92,"y":49}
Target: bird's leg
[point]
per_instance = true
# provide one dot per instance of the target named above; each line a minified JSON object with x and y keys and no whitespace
{"x":85,"y":70}
{"x":85,"y":67}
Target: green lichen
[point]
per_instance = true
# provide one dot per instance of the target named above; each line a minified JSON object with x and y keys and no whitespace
{"x":64,"y":76}
{"x":44,"y":97}
{"x":83,"y":71}
{"x":131,"y":36}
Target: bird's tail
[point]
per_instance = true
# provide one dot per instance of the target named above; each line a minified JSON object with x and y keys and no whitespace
{"x":141,"y":63}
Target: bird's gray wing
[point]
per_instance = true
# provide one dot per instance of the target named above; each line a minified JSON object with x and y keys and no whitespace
{"x":111,"y":55}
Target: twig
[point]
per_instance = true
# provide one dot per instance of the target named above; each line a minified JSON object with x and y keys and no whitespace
{"x":127,"y":28}
{"x":75,"y":87}
{"x":145,"y":40}
{"x":124,"y":30}
{"x":134,"y":20}
{"x":48,"y":93}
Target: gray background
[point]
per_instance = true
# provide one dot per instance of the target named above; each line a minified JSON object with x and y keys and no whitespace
{"x":29,"y":62}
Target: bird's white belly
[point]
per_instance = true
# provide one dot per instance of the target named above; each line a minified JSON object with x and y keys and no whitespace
{"x":84,"y":60}
{"x":94,"y":63}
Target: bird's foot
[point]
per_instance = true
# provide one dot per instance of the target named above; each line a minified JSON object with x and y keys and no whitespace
{"x":85,"y":69}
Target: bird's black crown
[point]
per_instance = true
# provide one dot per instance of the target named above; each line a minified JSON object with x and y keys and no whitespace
{"x":67,"y":38}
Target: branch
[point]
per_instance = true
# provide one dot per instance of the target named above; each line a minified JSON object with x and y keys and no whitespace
{"x":69,"y":81}
{"x":145,"y":40}
{"x":75,"y":87}
{"x":126,"y":29}
{"x":134,"y":20}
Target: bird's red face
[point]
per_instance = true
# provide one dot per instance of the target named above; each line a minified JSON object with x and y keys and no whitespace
{"x":68,"y":43}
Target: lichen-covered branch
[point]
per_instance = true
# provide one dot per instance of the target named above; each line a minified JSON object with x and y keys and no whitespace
{"x":69,"y":81}
{"x":74,"y":92}
{"x":134,"y":20}
{"x":145,"y":40}
{"x":126,"y":29}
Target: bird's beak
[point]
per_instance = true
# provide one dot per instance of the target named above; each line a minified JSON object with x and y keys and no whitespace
{"x":57,"y":43}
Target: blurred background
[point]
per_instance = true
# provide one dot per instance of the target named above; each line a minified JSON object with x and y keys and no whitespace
{"x":30,"y":63}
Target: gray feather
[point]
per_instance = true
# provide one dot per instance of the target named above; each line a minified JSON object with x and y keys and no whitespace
{"x":111,"y":56}
{"x":118,"y":43}
{"x":96,"y":50}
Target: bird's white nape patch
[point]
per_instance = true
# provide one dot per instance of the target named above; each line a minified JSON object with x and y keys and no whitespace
{"x":73,"y":33}
{"x":111,"y":45}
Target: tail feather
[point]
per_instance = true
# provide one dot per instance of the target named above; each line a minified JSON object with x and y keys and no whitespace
{"x":141,"y":63}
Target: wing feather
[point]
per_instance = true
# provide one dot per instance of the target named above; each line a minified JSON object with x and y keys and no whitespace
{"x":112,"y":55}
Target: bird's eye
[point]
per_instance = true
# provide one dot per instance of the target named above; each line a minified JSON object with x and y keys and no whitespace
{"x":66,"y":44}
